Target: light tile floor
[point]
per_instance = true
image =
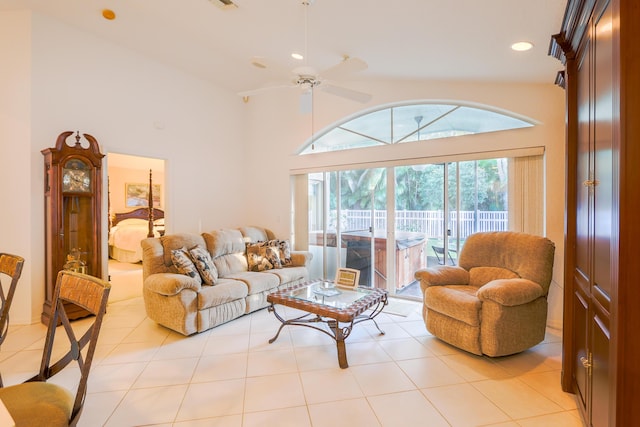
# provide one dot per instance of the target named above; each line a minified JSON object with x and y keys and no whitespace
{"x":144,"y":374}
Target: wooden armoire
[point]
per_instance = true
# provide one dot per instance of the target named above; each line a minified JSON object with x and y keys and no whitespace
{"x":599,"y":45}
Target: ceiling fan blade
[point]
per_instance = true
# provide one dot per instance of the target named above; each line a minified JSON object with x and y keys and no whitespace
{"x":345,"y":93}
{"x":259,"y":90}
{"x":347,"y":66}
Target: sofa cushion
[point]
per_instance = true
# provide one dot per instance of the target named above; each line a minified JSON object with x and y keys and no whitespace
{"x":224,"y":242}
{"x":204,"y":264}
{"x":257,"y":282}
{"x":227,"y":249}
{"x":254,"y":234}
{"x":183,"y":262}
{"x":291,"y":274}
{"x":261,"y":256}
{"x":479,"y":276}
{"x":224,"y":291}
{"x":230,"y":264}
{"x":455,"y":301}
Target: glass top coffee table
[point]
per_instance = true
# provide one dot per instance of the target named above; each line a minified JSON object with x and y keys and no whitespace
{"x":331,"y":309}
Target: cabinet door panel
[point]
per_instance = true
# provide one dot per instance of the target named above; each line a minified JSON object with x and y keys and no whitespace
{"x":580,"y":339}
{"x":603,"y":160}
{"x":600,"y":373}
{"x":583,"y":169}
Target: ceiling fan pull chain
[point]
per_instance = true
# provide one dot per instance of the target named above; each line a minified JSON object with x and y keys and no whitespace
{"x":313,"y":145}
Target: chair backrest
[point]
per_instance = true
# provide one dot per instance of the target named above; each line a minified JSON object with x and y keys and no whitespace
{"x":530,"y":256}
{"x":90,"y":293}
{"x":10,"y":265}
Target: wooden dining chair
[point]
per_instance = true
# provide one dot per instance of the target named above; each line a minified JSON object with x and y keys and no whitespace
{"x":11,"y":267}
{"x":37,"y":402}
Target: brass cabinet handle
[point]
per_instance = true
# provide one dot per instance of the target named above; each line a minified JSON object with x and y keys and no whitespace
{"x":585,"y":362}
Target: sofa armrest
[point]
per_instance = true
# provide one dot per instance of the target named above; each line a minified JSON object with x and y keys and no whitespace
{"x":510,"y":292}
{"x":170,"y":283}
{"x":300,"y":258}
{"x":442,"y":275}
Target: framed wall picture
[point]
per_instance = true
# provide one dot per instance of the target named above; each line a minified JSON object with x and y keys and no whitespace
{"x":137,"y":195}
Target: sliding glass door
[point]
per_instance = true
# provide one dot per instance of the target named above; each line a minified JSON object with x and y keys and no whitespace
{"x":436,"y":206}
{"x":347,"y":224}
{"x":361,"y":205}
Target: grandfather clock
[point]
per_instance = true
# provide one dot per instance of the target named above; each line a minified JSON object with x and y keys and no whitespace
{"x":72,"y":201}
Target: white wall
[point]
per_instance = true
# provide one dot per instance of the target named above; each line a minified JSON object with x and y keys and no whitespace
{"x":278,"y":130}
{"x":59,"y":79}
{"x":19,"y":185}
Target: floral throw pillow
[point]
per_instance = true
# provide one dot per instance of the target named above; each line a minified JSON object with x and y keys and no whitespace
{"x":261,"y":257}
{"x":284,"y":251}
{"x":183,"y":263}
{"x":204,"y":264}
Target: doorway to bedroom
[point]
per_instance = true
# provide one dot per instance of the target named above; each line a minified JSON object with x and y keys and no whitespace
{"x":133,"y":182}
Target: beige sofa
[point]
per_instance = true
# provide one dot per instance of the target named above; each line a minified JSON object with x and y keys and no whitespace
{"x":188,"y":305}
{"x":494,"y":301}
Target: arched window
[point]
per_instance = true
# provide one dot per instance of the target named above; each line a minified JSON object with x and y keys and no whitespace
{"x":389,"y":216}
{"x":410,"y":123}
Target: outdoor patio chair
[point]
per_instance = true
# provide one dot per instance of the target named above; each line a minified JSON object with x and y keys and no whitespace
{"x":439,"y":251}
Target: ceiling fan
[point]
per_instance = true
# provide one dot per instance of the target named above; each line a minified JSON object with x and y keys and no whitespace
{"x":308,"y":79}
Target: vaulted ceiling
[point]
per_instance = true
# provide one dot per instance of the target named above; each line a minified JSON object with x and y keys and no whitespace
{"x":399,"y":39}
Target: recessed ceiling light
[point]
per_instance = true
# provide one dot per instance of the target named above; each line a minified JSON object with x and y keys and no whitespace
{"x":108,"y":14}
{"x":521,"y":46}
{"x":297,"y":56}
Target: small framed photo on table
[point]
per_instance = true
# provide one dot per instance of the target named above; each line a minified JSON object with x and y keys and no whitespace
{"x":347,"y":277}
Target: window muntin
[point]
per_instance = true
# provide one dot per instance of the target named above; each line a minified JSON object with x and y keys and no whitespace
{"x":411,"y":123}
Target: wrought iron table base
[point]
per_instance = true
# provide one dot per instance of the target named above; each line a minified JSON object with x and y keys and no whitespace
{"x":336,"y":332}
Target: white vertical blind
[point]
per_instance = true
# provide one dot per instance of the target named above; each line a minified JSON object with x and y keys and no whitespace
{"x":526,"y":194}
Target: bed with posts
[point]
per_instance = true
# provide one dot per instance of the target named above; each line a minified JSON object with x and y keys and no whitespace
{"x":128,"y":229}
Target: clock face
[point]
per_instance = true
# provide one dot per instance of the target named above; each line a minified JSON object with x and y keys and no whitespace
{"x":76,"y":177}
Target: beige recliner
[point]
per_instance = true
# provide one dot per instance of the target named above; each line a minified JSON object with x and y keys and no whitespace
{"x":494,"y":301}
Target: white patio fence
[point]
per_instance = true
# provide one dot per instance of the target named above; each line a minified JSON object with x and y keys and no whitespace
{"x":428,"y":222}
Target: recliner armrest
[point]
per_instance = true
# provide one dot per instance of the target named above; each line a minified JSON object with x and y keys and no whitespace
{"x":301,"y":258}
{"x":442,"y":275}
{"x":170,"y":283}
{"x":510,"y":292}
